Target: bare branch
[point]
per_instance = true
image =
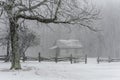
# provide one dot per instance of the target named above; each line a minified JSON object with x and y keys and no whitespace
{"x":56,"y":11}
{"x":36,"y":18}
{"x":32,"y":7}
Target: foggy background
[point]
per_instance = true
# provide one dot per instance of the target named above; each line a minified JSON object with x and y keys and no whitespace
{"x":103,"y":43}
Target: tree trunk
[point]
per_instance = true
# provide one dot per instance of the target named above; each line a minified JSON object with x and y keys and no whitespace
{"x":15,"y":62}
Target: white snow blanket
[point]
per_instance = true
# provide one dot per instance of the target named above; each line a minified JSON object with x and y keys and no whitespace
{"x":62,"y":71}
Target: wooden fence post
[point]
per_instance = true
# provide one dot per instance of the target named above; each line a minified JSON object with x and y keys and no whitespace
{"x":109,"y":59}
{"x":98,"y":59}
{"x":24,"y":58}
{"x":39,"y":57}
{"x":86,"y":59}
{"x":56,"y":58}
{"x":71,"y":59}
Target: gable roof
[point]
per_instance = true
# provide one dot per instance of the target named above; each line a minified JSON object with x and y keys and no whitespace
{"x":71,"y":43}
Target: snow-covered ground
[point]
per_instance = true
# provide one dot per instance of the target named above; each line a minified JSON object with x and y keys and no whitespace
{"x":62,"y":71}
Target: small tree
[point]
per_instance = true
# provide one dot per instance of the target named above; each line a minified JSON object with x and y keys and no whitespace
{"x":5,"y":41}
{"x":27,"y":39}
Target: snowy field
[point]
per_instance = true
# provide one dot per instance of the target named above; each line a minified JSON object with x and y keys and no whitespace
{"x":62,"y":71}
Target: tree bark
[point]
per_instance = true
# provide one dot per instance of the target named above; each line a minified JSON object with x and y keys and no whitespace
{"x":15,"y":62}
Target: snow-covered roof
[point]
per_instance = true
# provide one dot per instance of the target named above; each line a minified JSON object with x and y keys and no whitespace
{"x":67,"y":44}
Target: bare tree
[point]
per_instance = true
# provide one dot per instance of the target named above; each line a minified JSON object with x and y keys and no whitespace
{"x":44,"y":11}
{"x":5,"y":41}
{"x":27,"y":38}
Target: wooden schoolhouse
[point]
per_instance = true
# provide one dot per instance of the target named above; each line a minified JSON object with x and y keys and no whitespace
{"x":65,"y":48}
